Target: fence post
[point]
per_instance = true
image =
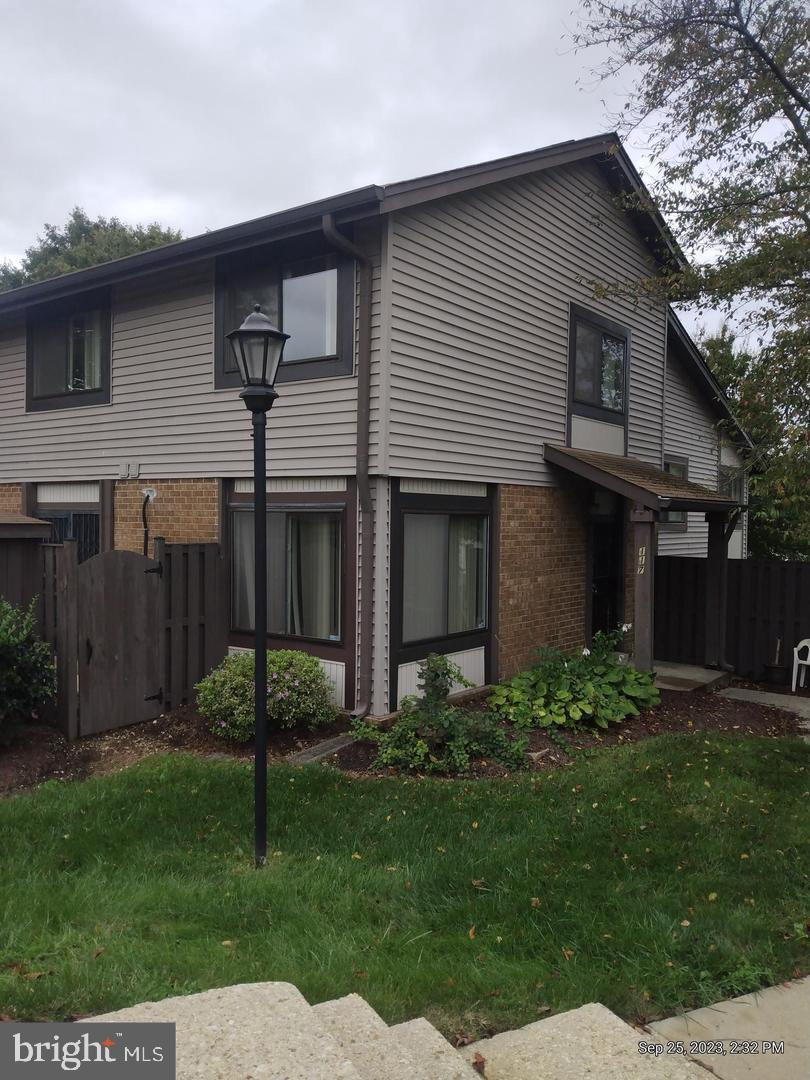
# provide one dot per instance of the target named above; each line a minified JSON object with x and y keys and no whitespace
{"x":67,"y":639}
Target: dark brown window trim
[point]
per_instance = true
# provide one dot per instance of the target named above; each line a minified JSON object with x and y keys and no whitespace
{"x":401,"y":653}
{"x":344,"y":651}
{"x":69,"y":399}
{"x":577,"y":313}
{"x":316,"y":367}
{"x":670,"y":527}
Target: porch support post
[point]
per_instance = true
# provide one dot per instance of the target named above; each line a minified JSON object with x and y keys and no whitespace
{"x":716,"y":591}
{"x":644,"y":570}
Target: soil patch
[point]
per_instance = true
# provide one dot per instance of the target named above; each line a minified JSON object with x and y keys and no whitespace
{"x":692,"y":713}
{"x":41,"y":752}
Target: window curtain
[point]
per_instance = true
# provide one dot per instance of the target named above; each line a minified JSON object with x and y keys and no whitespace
{"x":466,"y":604}
{"x":313,"y":560}
{"x":424,"y":593}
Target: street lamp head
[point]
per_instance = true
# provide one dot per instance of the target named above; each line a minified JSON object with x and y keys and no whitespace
{"x":257,"y":347}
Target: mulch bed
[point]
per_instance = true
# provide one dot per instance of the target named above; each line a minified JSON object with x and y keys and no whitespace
{"x":43,"y":753}
{"x":693,"y":713}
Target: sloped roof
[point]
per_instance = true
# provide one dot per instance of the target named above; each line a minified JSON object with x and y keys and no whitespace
{"x":634,"y":479}
{"x":364,"y":202}
{"x":19,"y":526}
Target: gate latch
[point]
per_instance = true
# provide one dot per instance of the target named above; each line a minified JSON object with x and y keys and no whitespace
{"x":155,"y":570}
{"x":159,"y":695}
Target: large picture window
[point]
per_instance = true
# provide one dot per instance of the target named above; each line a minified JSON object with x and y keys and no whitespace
{"x":304,"y":559}
{"x":444,"y":587}
{"x":312,"y":300}
{"x":68,"y":354}
{"x":598,"y":363}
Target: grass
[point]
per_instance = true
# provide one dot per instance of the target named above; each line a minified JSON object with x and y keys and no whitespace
{"x":669,"y":873}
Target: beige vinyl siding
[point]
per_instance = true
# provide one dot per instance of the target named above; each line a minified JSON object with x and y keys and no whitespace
{"x":478,"y":325}
{"x":690,"y":431}
{"x":165,"y":414}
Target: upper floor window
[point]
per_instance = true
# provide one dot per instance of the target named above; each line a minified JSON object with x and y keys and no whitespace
{"x":675,"y":520}
{"x":68,"y":355}
{"x":598,"y":351}
{"x":312,"y":300}
{"x":732,"y":482}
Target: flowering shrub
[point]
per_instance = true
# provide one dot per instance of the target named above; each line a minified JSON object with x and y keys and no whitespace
{"x":298,"y":692}
{"x":27,"y":677}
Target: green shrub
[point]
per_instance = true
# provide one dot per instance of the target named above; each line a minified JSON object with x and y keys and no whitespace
{"x":298,"y":692}
{"x":431,"y":735}
{"x":566,"y":690}
{"x":27,"y":677}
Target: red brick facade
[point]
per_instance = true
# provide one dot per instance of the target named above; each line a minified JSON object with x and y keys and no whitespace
{"x":11,"y":497}
{"x":184,"y":512}
{"x":543,"y":553}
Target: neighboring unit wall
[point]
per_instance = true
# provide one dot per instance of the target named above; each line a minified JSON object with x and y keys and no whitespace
{"x":183,"y":512}
{"x":738,"y":542}
{"x":690,"y":431}
{"x":478,"y":325}
{"x":166,"y":418}
{"x":11,"y":497}
{"x":543,"y":551}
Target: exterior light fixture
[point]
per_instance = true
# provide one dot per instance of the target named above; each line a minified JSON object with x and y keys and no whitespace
{"x":257,"y":348}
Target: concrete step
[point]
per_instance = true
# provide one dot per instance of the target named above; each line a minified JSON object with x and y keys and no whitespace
{"x":251,"y":1031}
{"x":366,"y":1040}
{"x":591,"y":1041}
{"x":435,"y":1053}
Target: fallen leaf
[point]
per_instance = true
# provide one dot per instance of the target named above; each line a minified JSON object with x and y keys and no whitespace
{"x":227,"y":942}
{"x":712,"y":897}
{"x":567,"y":953}
{"x":535,"y":901}
{"x":479,"y":1063}
{"x":744,"y":856}
{"x":356,"y":855}
{"x":471,"y":933}
{"x":685,"y":922}
{"x":35,"y":974}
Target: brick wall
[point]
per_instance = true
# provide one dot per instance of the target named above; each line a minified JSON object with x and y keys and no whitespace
{"x":542,"y":572}
{"x":11,"y":497}
{"x":184,"y":512}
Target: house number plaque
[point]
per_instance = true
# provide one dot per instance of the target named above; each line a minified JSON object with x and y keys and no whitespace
{"x":642,"y":560}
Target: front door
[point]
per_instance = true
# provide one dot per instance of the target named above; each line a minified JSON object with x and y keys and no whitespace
{"x":607,"y":573}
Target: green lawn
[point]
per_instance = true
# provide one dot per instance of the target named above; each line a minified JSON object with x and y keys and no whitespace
{"x":671,"y":872}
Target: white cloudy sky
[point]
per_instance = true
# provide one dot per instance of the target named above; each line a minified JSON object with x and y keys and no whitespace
{"x":201,"y":113}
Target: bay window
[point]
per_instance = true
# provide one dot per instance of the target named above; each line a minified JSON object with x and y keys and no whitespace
{"x":304,"y":564}
{"x":444,"y":588}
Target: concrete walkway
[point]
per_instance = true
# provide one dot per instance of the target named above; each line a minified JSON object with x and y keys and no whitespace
{"x":764,"y":1021}
{"x":671,"y":676}
{"x":799,"y":706}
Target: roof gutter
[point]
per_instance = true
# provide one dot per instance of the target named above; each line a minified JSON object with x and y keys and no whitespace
{"x":342,"y":243}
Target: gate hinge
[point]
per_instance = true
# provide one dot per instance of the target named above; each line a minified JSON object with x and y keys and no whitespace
{"x":159,"y":695}
{"x":155,"y":570}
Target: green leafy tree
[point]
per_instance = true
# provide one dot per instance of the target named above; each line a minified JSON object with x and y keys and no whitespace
{"x":779,"y":484}
{"x":720,"y":91}
{"x":82,"y":242}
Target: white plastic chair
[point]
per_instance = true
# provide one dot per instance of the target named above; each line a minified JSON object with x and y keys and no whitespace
{"x":799,"y":663}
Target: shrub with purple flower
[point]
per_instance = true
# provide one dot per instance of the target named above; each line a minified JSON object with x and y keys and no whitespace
{"x":298,"y":692}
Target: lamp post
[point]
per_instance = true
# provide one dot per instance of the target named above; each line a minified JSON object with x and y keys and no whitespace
{"x":257,"y":347}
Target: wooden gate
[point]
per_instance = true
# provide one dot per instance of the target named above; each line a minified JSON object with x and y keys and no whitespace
{"x":120,"y":678}
{"x":131,"y":636}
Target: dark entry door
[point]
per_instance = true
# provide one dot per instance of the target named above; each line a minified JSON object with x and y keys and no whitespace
{"x":119,"y":641}
{"x":607,"y":574}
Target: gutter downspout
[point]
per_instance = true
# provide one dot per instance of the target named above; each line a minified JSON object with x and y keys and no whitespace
{"x":342,"y":243}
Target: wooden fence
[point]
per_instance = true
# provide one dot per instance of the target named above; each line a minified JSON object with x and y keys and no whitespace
{"x":191,"y":629}
{"x":768,"y":600}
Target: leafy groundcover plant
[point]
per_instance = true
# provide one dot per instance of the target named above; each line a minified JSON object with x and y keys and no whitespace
{"x":27,"y":679}
{"x":298,"y":692}
{"x":565,"y":690}
{"x":431,"y":735}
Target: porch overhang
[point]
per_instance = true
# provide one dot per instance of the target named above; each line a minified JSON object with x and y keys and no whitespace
{"x":645,"y":485}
